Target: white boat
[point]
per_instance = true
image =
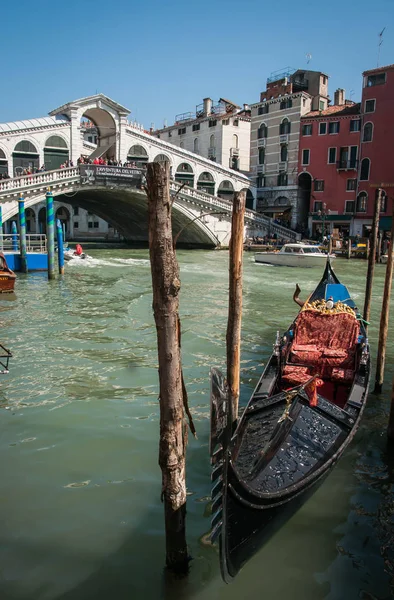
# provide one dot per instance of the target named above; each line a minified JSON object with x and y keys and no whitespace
{"x":383,"y":259}
{"x":294,"y":255}
{"x":71,"y":255}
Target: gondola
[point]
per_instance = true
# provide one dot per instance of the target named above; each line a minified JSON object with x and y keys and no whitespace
{"x":7,"y":277}
{"x":301,"y":417}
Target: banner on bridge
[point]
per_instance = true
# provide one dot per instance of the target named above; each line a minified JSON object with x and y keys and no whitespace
{"x":107,"y":174}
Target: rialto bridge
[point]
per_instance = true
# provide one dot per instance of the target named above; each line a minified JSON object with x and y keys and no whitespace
{"x":201,"y":187}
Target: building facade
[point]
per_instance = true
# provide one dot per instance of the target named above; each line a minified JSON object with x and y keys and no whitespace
{"x":275,"y":133}
{"x":328,"y":165}
{"x":220,"y":132}
{"x":376,"y":148}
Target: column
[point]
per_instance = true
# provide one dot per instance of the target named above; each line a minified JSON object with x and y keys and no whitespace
{"x":60,"y":249}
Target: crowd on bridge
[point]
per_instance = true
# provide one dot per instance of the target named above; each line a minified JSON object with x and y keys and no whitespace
{"x":110,"y":162}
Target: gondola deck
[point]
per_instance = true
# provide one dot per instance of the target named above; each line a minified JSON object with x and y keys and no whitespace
{"x":267,"y":462}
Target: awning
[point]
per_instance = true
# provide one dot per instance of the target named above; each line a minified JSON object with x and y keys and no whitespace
{"x":100,"y":151}
{"x":275,"y":209}
{"x":333,"y":218}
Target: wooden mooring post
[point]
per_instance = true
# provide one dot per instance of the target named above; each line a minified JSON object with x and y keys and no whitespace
{"x":173,"y":434}
{"x":349,"y":247}
{"x":372,"y":254}
{"x":233,"y":337}
{"x":384,"y":317}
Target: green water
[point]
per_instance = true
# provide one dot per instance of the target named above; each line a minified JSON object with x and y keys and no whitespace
{"x":81,"y":516}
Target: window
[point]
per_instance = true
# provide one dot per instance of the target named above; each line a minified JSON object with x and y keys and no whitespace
{"x":212,"y":122}
{"x":236,"y":122}
{"x":319,"y":185}
{"x":286,"y":104}
{"x":332,"y":156}
{"x":369,"y":106}
{"x":283,"y":153}
{"x":76,"y":224}
{"x":285,"y":127}
{"x":262,"y":131}
{"x":95,"y":224}
{"x":225,"y":121}
{"x":351,"y":185}
{"x":322,"y":128}
{"x":355,"y":125}
{"x":182,"y":145}
{"x":378,"y":79}
{"x":212,"y":141}
{"x":196,"y":127}
{"x":361,"y":201}
{"x":305,"y":157}
{"x":317,"y":206}
{"x":282,"y":179}
{"x":321,"y":104}
{"x":90,"y":225}
{"x":261,"y":156}
{"x":170,"y":134}
{"x":195,"y":146}
{"x":76,"y":210}
{"x":307,"y":130}
{"x":333,"y":127}
{"x":349,"y":206}
{"x":263,"y":110}
{"x":367,"y":132}
{"x":260,"y":181}
{"x":235,"y":141}
{"x":182,"y":130}
{"x":364,"y":171}
{"x":324,"y":79}
{"x":90,"y":139}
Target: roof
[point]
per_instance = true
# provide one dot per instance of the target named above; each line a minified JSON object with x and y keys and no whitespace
{"x":378,"y":69}
{"x":89,"y":100}
{"x":229,"y":102}
{"x":338,"y":110}
{"x":33,"y":123}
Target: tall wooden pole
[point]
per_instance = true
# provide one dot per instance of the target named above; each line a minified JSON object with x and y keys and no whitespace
{"x":166,"y":286}
{"x":384,"y":317}
{"x":372,"y":254}
{"x":235,"y":301}
{"x":349,"y":247}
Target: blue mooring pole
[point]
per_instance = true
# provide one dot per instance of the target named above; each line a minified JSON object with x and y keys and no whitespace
{"x":50,"y":234}
{"x":60,"y":249}
{"x":22,"y":234}
{"x":1,"y":228}
{"x":14,"y":235}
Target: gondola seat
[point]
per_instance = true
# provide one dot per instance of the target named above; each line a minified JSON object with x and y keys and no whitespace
{"x":327,"y":342}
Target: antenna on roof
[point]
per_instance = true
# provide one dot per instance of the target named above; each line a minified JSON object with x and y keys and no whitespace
{"x":379,"y":44}
{"x":308,"y":57}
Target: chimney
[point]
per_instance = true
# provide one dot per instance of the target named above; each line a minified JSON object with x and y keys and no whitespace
{"x":339,"y":97}
{"x":207,"y":106}
{"x":246,"y":107}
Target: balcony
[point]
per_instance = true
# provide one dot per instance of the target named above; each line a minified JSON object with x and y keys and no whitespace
{"x":261,"y":142}
{"x":283,"y":138}
{"x":283,"y":166}
{"x":260,"y":169}
{"x":234,"y":151}
{"x":347,"y":165}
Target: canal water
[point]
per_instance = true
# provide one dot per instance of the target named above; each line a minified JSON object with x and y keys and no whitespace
{"x":81,"y":516}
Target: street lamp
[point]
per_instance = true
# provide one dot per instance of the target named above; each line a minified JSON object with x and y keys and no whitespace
{"x":323,"y":213}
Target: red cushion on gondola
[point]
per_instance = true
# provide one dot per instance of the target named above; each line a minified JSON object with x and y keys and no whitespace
{"x":305,"y":354}
{"x":342,"y":375}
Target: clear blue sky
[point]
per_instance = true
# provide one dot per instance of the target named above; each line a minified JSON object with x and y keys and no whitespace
{"x":162,"y":57}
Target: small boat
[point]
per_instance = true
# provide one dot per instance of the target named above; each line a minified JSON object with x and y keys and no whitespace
{"x":384,"y":258}
{"x":71,"y":255}
{"x":7,"y":276}
{"x":294,"y":255}
{"x":302,"y":415}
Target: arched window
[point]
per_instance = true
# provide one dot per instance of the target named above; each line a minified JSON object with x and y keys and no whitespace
{"x":283,"y":153}
{"x":212,"y":141}
{"x":182,"y":145}
{"x":262,"y":131}
{"x":195,"y":145}
{"x":284,"y":127}
{"x":364,"y":171}
{"x":2,"y":155}
{"x":235,"y":141}
{"x":367,"y":132}
{"x":55,"y":141}
{"x":161,"y":158}
{"x":361,"y":205}
{"x":261,"y":156}
{"x":25,"y":147}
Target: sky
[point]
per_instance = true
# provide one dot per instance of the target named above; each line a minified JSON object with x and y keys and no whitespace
{"x":162,"y":57}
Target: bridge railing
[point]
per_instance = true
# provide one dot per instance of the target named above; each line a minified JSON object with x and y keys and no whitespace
{"x":35,"y":242}
{"x":36,"y":179}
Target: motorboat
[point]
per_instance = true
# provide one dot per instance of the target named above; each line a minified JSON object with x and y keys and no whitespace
{"x":304,"y":412}
{"x":7,"y":276}
{"x":72,"y":255}
{"x":294,"y":255}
